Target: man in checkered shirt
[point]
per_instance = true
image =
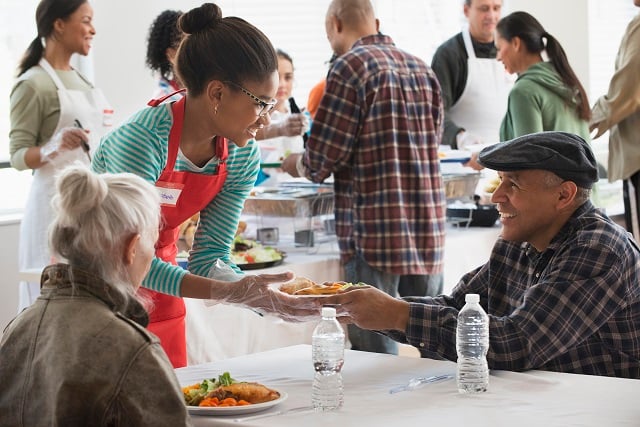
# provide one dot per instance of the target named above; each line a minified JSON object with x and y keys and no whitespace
{"x":377,"y":132}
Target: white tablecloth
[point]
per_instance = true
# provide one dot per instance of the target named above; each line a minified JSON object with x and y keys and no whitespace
{"x":533,"y":398}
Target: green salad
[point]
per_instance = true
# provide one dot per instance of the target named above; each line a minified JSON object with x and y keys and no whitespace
{"x":247,"y":251}
{"x":194,"y":394}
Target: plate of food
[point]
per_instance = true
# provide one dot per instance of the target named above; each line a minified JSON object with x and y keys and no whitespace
{"x":226,"y":396}
{"x":251,"y":255}
{"x":454,"y":156}
{"x":305,"y":286}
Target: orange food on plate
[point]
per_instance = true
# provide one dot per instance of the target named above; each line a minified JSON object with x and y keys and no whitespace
{"x":226,"y":391}
{"x":305,"y":286}
{"x":247,"y":392}
{"x":229,"y":401}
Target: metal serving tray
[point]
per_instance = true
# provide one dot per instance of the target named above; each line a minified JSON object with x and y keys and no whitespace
{"x":299,"y":200}
{"x":460,"y":185}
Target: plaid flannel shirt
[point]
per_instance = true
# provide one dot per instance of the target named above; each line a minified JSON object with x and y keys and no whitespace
{"x":575,"y":307}
{"x":377,"y":130}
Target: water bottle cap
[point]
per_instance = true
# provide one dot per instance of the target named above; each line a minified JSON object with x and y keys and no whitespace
{"x":328,"y":311}
{"x":472,"y":298}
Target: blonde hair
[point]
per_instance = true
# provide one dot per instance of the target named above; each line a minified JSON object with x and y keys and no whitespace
{"x":95,"y":217}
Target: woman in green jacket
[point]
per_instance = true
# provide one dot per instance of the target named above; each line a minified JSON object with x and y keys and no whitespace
{"x":547,"y":95}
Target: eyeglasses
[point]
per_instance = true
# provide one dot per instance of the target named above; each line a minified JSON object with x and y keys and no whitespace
{"x":265,"y":107}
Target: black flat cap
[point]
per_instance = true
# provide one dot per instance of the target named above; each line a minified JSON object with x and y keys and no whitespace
{"x":565,"y":154}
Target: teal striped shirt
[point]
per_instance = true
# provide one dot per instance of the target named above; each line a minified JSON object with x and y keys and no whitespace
{"x":140,"y":146}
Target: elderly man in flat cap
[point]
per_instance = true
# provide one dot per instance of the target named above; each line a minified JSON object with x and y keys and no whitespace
{"x":562,"y":285}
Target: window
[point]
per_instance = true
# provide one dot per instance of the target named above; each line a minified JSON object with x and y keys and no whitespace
{"x":17,"y":30}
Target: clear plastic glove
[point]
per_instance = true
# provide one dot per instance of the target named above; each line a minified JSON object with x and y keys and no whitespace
{"x":66,"y":139}
{"x":221,"y":271}
{"x":255,"y":292}
{"x":465,"y":139}
{"x":292,"y":125}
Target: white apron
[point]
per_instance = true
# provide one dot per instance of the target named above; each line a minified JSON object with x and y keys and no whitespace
{"x":483,"y":103}
{"x":91,"y":109}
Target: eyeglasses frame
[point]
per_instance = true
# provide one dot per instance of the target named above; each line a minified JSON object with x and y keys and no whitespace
{"x":265,"y":107}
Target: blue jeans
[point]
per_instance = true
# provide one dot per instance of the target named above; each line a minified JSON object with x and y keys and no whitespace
{"x":357,"y":270}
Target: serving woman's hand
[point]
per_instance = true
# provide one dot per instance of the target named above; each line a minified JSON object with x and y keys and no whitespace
{"x":253,"y":291}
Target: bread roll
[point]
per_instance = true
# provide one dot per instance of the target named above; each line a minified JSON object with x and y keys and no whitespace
{"x":296,"y":284}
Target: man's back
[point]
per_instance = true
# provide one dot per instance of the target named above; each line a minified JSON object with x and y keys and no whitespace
{"x":378,"y":130}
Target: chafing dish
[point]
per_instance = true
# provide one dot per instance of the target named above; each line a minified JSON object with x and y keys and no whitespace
{"x":460,"y":185}
{"x":296,"y":200}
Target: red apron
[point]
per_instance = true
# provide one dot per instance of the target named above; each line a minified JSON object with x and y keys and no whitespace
{"x":192,"y":193}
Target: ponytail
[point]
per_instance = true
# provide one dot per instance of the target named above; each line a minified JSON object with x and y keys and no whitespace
{"x":560,"y":62}
{"x":31,"y":56}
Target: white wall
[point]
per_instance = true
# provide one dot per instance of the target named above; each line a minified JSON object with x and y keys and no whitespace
{"x":119,"y":50}
{"x":119,"y":54}
{"x":120,"y":45}
{"x":567,"y":21}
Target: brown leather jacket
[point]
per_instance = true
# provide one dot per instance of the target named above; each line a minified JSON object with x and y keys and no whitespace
{"x":72,"y":359}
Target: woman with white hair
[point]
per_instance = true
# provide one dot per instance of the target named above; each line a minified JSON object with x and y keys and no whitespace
{"x":81,"y":355}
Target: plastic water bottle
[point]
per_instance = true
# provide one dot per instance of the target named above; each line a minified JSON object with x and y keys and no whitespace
{"x":472,"y":344}
{"x":328,"y":357}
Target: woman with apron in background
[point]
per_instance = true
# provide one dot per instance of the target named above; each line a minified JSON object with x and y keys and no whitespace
{"x":57,"y":118}
{"x":200,"y":153}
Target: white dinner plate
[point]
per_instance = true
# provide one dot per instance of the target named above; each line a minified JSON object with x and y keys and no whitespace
{"x":236,"y":410}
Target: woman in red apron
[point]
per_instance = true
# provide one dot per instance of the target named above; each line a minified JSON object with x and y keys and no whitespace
{"x":196,"y":191}
{"x":186,"y":149}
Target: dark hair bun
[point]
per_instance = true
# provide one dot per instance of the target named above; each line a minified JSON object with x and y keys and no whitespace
{"x":201,"y":18}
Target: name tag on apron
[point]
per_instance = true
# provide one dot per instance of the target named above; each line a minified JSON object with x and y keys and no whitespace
{"x":169,"y":192}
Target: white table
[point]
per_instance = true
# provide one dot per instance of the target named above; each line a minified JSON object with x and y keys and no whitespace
{"x":534,"y":398}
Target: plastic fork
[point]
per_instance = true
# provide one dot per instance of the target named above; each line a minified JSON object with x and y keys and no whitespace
{"x":417,"y":382}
